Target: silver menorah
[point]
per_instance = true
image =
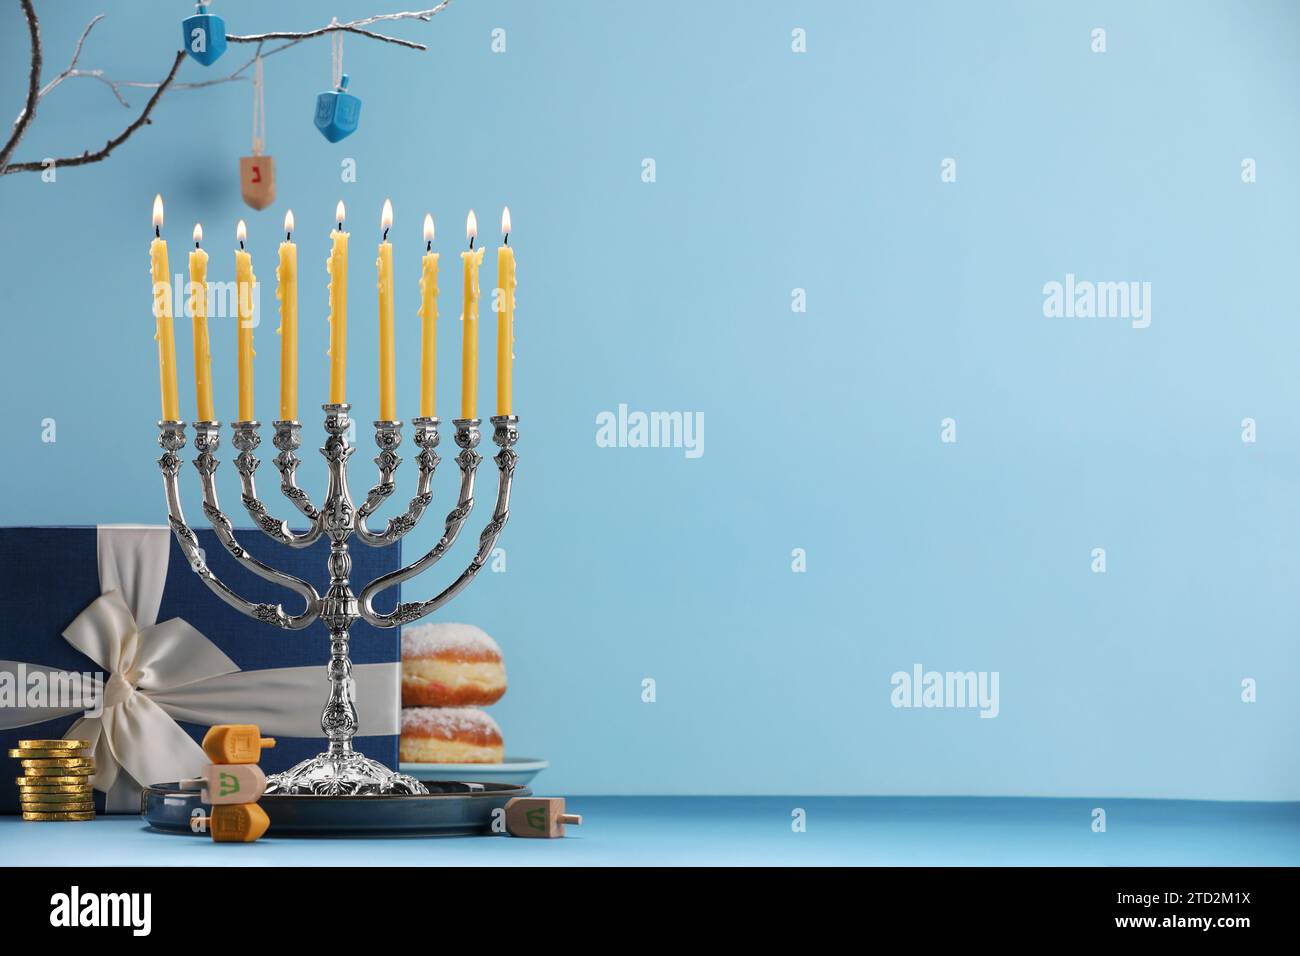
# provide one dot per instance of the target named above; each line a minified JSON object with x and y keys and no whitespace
{"x":340,"y":769}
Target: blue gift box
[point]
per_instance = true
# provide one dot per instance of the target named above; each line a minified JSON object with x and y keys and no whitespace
{"x":49,"y":576}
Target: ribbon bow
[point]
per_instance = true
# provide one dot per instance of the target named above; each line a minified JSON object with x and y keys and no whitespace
{"x":145,"y":663}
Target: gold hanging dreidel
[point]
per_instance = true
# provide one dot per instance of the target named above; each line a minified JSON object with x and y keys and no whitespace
{"x":257,"y":172}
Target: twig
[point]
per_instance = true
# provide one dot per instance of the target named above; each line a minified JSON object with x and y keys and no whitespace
{"x":352,"y":26}
{"x":33,"y":87}
{"x":76,"y":55}
{"x":72,"y":70}
{"x":112,"y":144}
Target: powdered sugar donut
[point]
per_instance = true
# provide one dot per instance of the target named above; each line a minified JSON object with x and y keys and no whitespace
{"x":450,"y":665}
{"x":450,"y":735}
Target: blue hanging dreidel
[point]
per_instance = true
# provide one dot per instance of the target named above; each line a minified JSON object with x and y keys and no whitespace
{"x":337,"y":110}
{"x":204,"y":35}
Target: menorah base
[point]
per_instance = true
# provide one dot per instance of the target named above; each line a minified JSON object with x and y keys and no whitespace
{"x":342,"y":774}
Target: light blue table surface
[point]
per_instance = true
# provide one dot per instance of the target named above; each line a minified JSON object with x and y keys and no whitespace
{"x":745,"y":831}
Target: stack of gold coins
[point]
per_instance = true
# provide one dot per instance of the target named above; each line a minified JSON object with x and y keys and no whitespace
{"x":55,"y":784}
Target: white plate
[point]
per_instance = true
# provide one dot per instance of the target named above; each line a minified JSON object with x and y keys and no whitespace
{"x":517,"y":770}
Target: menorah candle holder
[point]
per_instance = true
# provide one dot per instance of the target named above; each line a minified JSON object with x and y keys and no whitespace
{"x":340,"y":769}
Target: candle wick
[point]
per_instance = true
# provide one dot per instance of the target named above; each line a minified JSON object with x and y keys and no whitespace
{"x":157,"y":232}
{"x":471,"y":243}
{"x":340,"y":225}
{"x":428,"y":247}
{"x":507,"y":240}
{"x":288,"y":236}
{"x":241,"y":243}
{"x":385,"y":235}
{"x":196,"y":244}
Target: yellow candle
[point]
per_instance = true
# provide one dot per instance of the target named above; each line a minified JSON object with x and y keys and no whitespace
{"x":429,"y":323}
{"x":337,"y":264}
{"x":505,"y":316}
{"x":387,"y":385}
{"x":164,"y":331}
{"x":286,"y":291}
{"x":244,"y":280}
{"x":469,"y":324}
{"x":199,"y":319}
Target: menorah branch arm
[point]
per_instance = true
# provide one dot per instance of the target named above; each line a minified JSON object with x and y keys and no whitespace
{"x":246,"y":439}
{"x":288,"y":439}
{"x":207,"y":439}
{"x":172,"y":439}
{"x":505,"y":434}
{"x":388,"y":436}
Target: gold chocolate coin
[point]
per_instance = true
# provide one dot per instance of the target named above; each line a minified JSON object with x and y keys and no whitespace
{"x":44,"y":752}
{"x":59,"y":788}
{"x":51,"y":780}
{"x":54,"y":797}
{"x":69,"y":815}
{"x":54,"y":744}
{"x":60,"y":762}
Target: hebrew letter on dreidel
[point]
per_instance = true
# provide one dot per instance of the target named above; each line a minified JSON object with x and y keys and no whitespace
{"x":538,"y":817}
{"x":229,"y":784}
{"x":241,"y":823}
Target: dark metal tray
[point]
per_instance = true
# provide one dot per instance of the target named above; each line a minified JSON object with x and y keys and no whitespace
{"x":449,"y":809}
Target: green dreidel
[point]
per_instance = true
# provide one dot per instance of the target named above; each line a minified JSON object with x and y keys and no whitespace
{"x":229,"y":783}
{"x":538,"y":817}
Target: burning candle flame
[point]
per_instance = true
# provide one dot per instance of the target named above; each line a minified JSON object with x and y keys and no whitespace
{"x":198,"y":233}
{"x":339,"y":212}
{"x":157,"y":211}
{"x":241,"y":232}
{"x":386,"y":217}
{"x":288,"y":222}
{"x":428,"y":228}
{"x":505,"y":221}
{"x":471,"y":227}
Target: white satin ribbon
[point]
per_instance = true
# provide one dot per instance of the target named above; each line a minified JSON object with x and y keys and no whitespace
{"x":160,"y":673}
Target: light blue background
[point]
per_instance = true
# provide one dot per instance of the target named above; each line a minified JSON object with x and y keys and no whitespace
{"x":775,"y":171}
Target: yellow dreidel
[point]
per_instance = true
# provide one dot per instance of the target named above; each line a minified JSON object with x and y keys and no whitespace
{"x":538,"y":817}
{"x":235,"y":743}
{"x":228,"y":783}
{"x":235,"y":823}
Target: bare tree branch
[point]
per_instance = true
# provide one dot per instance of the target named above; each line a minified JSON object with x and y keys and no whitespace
{"x":352,"y":26}
{"x":112,"y":144}
{"x":260,"y":39}
{"x":33,"y":87}
{"x":36,"y":92}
